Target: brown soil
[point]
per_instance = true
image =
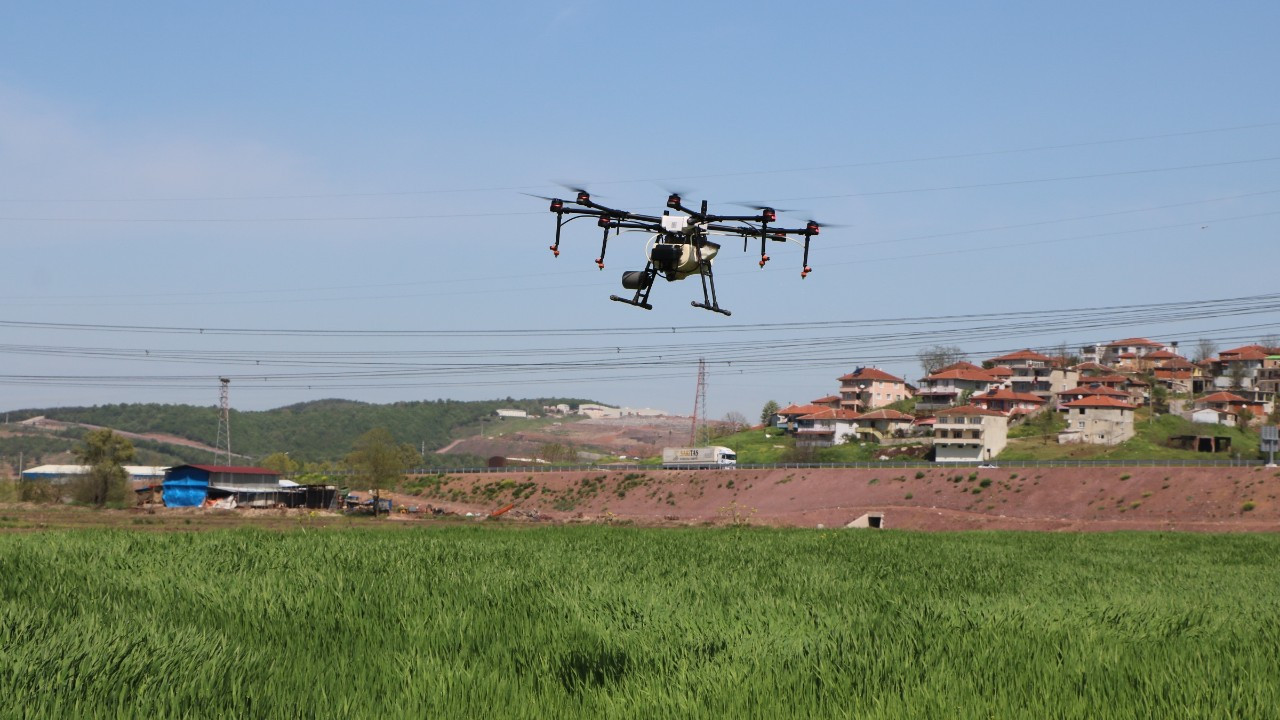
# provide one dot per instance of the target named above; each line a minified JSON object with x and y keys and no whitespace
{"x":1079,"y":499}
{"x":630,"y":436}
{"x":1049,"y":499}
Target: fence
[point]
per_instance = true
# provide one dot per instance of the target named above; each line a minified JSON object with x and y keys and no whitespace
{"x":870,"y":465}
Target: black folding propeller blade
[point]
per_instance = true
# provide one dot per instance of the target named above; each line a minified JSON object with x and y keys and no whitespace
{"x":762,"y":207}
{"x":577,"y":188}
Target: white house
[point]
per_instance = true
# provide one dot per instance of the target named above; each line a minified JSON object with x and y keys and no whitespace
{"x":969,"y":434}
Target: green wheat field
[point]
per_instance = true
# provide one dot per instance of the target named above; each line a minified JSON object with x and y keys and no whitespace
{"x":553,"y":622}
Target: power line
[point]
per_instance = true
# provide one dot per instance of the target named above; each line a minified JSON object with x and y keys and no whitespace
{"x":810,"y":168}
{"x":875,"y":193}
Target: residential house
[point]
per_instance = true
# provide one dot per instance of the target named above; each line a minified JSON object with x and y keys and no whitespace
{"x":827,"y":427}
{"x":789,"y":415}
{"x":1232,"y":403}
{"x":1268,"y":379}
{"x":1037,"y":373}
{"x":1209,"y":416}
{"x":1097,"y":420}
{"x":1109,"y":353}
{"x":884,"y":423}
{"x":831,"y":401}
{"x":951,"y":386}
{"x":1091,"y":390}
{"x":1008,"y":402}
{"x":868,"y":388}
{"x":969,"y":433}
{"x":1178,"y":374}
{"x":1092,"y":369}
{"x":1239,"y":367}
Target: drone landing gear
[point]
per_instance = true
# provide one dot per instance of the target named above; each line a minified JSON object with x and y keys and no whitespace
{"x":708,"y":282}
{"x":642,"y":282}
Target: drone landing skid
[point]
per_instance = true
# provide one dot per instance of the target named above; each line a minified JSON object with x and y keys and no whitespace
{"x":642,"y":281}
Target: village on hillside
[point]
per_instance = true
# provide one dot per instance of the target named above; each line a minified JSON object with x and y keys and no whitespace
{"x":967,"y":410}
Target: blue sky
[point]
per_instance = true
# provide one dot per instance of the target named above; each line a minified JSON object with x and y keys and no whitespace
{"x":335,"y":167}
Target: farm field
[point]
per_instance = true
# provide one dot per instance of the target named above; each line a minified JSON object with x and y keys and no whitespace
{"x":594,"y":621}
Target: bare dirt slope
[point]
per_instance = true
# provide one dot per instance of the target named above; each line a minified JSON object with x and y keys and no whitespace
{"x":1110,"y":498}
{"x":629,"y":436}
{"x":51,"y":426}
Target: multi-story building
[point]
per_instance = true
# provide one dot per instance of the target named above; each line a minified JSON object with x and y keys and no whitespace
{"x":969,"y":434}
{"x":825,"y":428}
{"x":951,"y":385}
{"x":1097,"y":420}
{"x":884,"y":423}
{"x":1013,"y":404}
{"x":1109,"y":353}
{"x":1268,"y":379}
{"x":868,"y":388}
{"x":1239,"y":367}
{"x":1037,"y":373}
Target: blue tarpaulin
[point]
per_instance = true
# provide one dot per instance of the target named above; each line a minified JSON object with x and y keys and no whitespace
{"x":185,"y":487}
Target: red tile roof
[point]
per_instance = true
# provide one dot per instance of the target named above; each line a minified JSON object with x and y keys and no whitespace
{"x":1094,"y":366}
{"x":1115,"y":378}
{"x":1248,"y":352}
{"x":1027,"y":354}
{"x":831,"y":414}
{"x":970,"y":410}
{"x":825,"y":400}
{"x":1223,"y":397}
{"x":869,"y":373}
{"x":1007,"y":394}
{"x":1088,"y":390}
{"x":1162,"y":355}
{"x":886,"y":414}
{"x":1099,"y":401}
{"x":975,"y":375}
{"x":802,"y":409}
{"x":1000,"y":371}
{"x":1132,"y":341}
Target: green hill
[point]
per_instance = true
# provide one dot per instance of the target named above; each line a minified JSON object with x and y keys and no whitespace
{"x":312,"y":431}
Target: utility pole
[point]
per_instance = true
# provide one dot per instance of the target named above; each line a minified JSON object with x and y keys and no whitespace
{"x":222,"y":446}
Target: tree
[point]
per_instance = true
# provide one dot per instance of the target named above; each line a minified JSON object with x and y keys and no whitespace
{"x":933,"y":359}
{"x":1270,"y":342}
{"x":379,"y":463}
{"x":106,"y":481}
{"x":554,"y":452}
{"x":1065,"y":357}
{"x":281,"y":463}
{"x":734,"y":422}
{"x":1205,"y":349}
{"x":770,"y":409}
{"x":1159,"y":395}
{"x":1246,"y":418}
{"x":1238,"y":373}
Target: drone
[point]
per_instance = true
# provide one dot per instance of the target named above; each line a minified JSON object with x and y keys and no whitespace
{"x":679,"y":245}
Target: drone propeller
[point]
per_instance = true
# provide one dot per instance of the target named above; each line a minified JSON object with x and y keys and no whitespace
{"x":583,"y":195}
{"x":761,"y":207}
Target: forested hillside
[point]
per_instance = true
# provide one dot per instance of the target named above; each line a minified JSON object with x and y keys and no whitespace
{"x":311,"y":431}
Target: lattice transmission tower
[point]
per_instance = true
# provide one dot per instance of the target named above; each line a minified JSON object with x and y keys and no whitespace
{"x":222,"y":448}
{"x":699,"y":402}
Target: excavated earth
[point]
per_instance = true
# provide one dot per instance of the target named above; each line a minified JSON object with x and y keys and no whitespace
{"x":1220,"y":499}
